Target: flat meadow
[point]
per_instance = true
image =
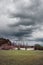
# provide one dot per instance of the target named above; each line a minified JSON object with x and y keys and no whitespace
{"x":21,"y":57}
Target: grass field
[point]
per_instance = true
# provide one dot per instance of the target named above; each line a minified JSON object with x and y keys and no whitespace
{"x":12,"y":57}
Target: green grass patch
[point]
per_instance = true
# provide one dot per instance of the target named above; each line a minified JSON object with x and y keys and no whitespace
{"x":19,"y":57}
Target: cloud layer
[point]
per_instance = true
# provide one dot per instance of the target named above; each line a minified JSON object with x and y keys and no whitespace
{"x":22,"y":20}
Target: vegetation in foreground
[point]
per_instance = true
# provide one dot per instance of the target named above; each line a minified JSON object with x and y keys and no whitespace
{"x":18,"y":57}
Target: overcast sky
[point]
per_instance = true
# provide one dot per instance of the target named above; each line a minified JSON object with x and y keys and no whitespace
{"x":22,"y":20}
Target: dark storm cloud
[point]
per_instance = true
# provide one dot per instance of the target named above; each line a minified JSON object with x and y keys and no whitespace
{"x":23,"y":33}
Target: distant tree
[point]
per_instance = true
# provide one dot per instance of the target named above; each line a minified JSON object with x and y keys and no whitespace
{"x":41,"y":48}
{"x":38,"y":47}
{"x":5,"y":41}
{"x":25,"y":47}
{"x":18,"y":47}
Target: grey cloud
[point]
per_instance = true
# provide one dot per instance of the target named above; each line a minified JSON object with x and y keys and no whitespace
{"x":39,"y":39}
{"x":26,"y":12}
{"x":32,"y":12}
{"x":29,"y":12}
{"x":25,"y":22}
